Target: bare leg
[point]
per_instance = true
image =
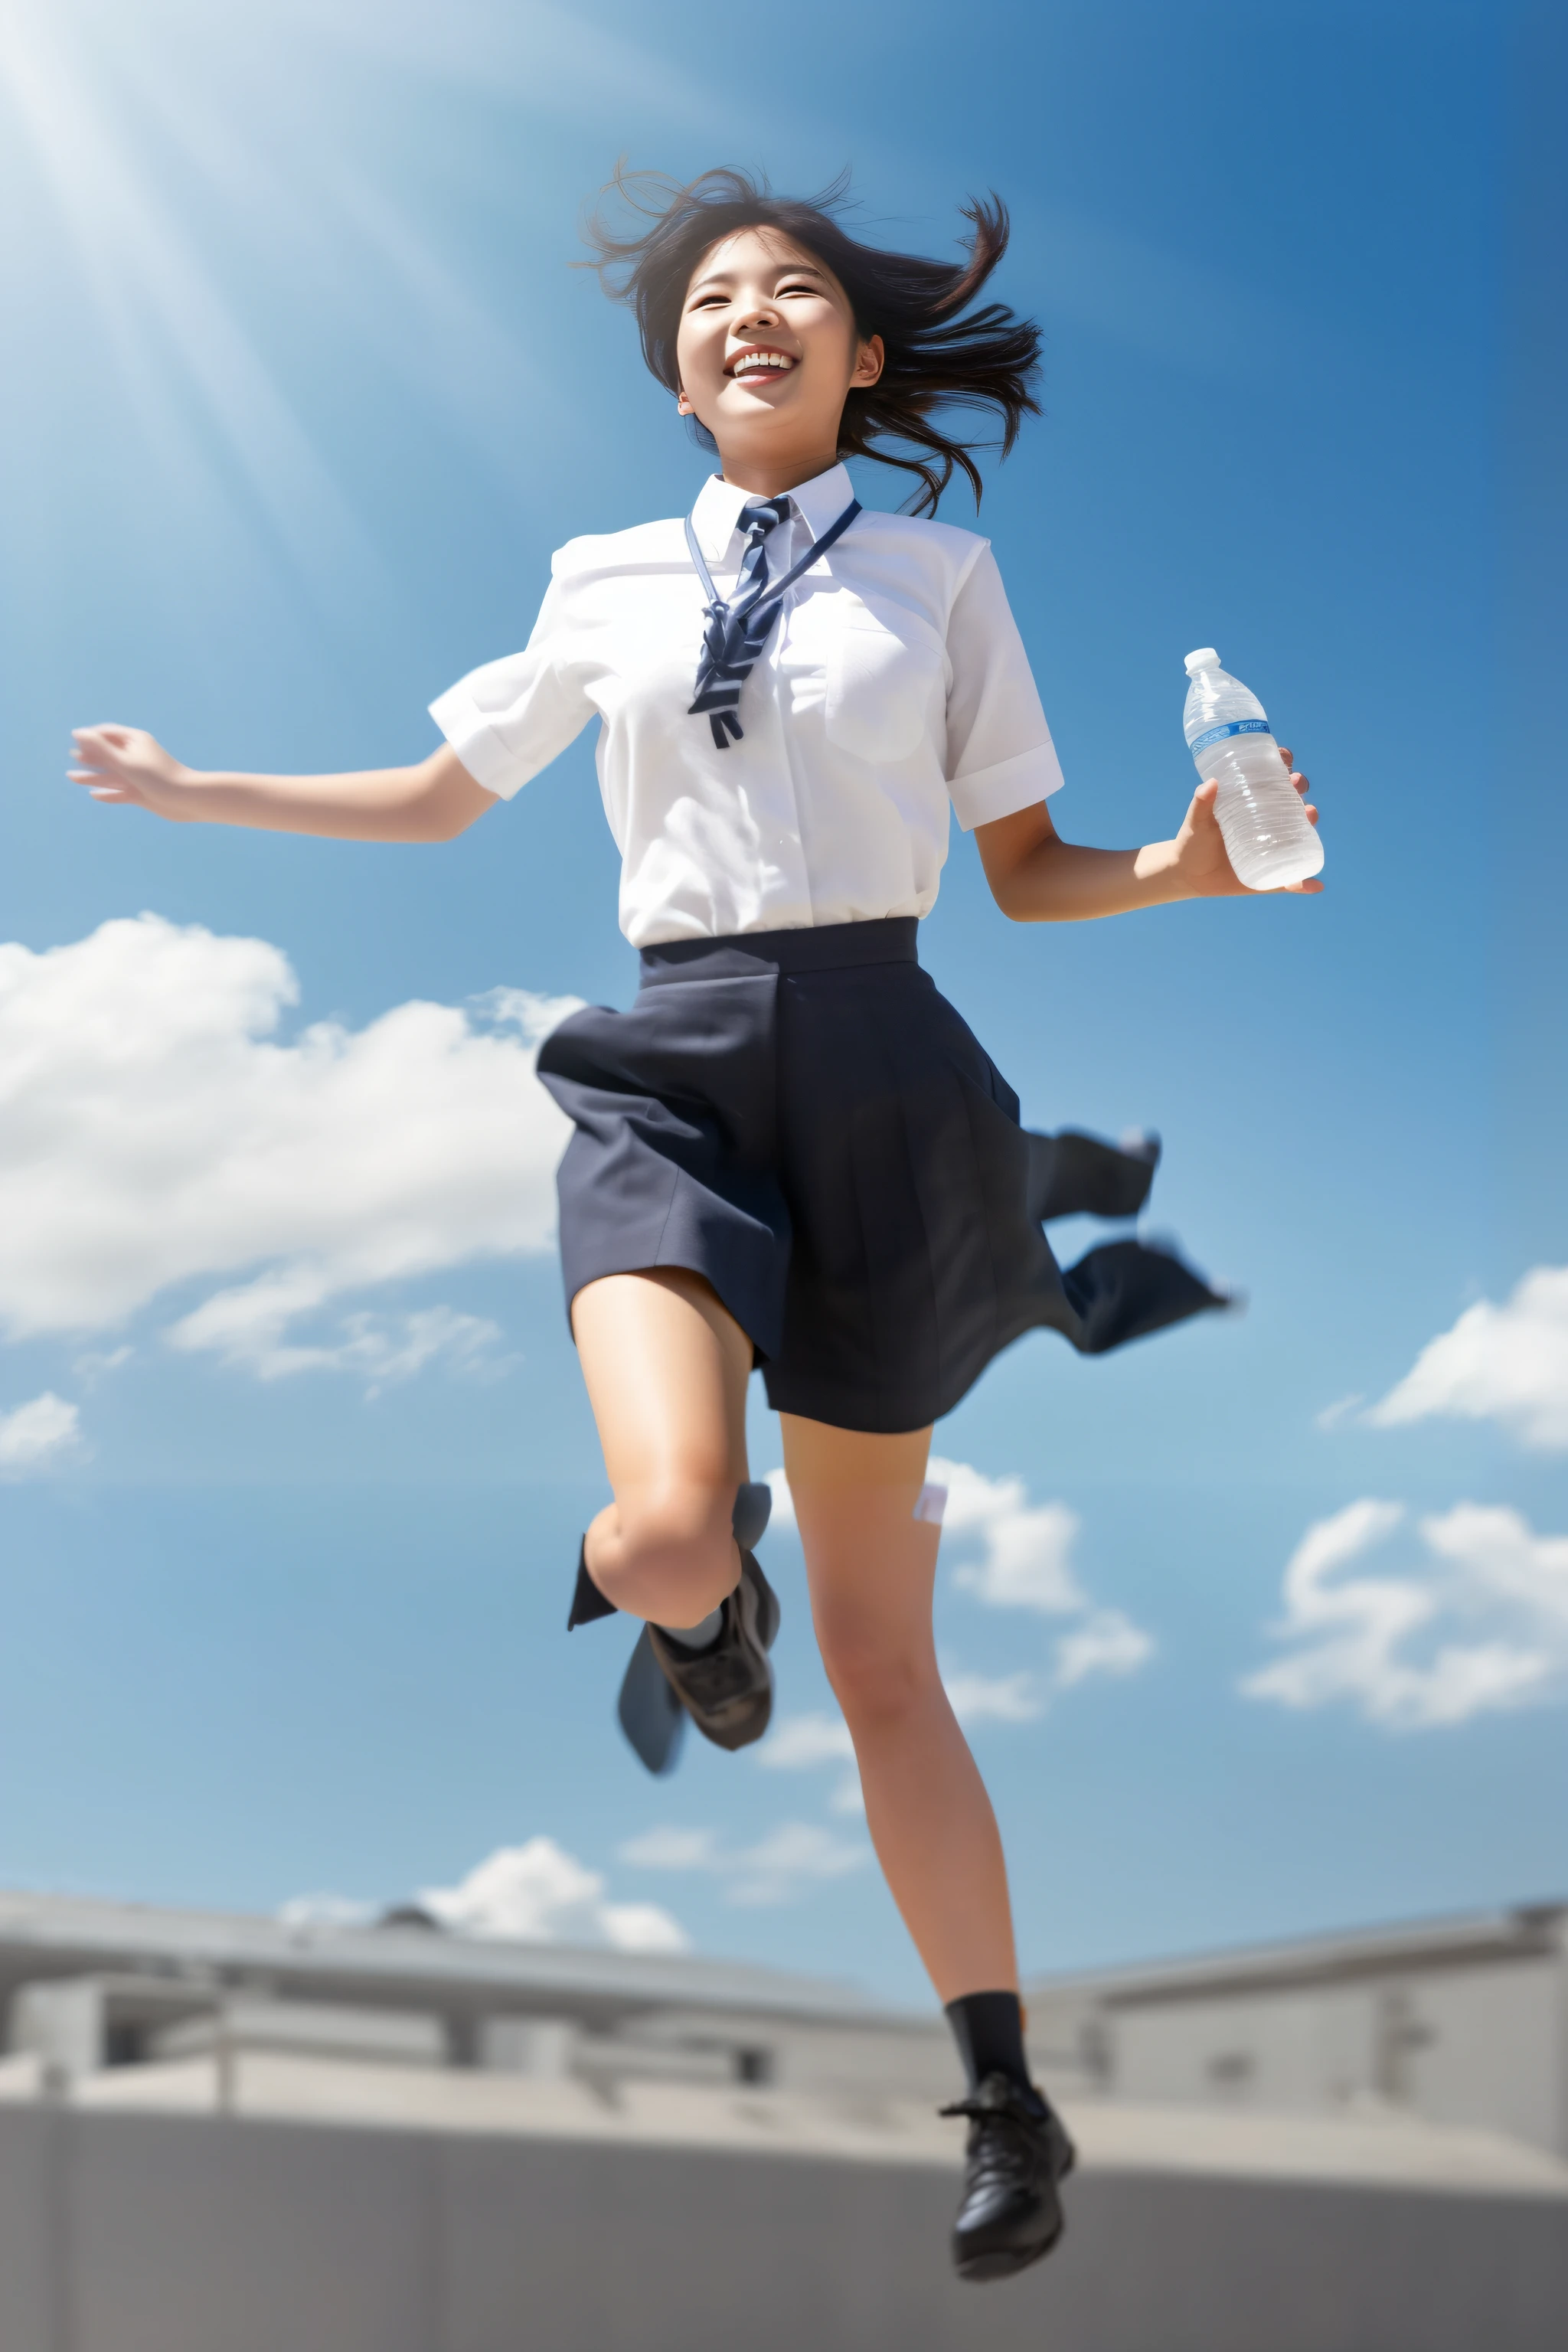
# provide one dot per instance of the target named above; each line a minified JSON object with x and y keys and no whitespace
{"x":872,"y":1569}
{"x":667,"y":1368}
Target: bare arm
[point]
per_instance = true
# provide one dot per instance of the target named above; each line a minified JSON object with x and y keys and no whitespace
{"x":1038,"y":877}
{"x":433,"y":800}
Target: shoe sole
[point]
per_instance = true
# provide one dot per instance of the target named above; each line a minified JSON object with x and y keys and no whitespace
{"x":997,"y":2266}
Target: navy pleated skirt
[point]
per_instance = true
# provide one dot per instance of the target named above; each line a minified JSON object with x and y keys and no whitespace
{"x":801,"y":1118}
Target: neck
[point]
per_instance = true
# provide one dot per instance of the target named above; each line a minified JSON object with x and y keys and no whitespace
{"x":770,"y":477}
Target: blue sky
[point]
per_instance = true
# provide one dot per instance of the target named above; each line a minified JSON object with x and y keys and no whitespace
{"x":302,"y":391}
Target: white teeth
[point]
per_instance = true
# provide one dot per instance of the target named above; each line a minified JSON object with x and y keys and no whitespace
{"x":757,"y":363}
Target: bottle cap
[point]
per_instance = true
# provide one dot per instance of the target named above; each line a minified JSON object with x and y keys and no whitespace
{"x":1205,"y":657}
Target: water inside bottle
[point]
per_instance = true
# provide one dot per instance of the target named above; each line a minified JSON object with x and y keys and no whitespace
{"x":1269,"y":837}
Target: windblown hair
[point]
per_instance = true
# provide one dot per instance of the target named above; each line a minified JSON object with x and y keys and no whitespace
{"x":936,"y":358}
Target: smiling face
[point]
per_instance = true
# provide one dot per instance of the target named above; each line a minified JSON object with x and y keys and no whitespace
{"x":768,"y":351}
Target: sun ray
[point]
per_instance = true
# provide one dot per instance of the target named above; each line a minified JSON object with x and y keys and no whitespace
{"x":174,"y":335}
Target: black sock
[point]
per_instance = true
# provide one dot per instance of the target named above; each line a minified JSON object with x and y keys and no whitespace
{"x":988,"y":2028}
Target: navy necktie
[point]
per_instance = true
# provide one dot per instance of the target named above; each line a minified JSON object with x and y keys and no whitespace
{"x":738,"y":628}
{"x":738,"y":625}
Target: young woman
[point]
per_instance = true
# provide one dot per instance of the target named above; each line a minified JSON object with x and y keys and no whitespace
{"x":790,"y":1152}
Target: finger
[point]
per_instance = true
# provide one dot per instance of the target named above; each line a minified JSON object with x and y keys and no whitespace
{"x":1206,"y":793}
{"x":111,"y":793}
{"x":104,"y":733}
{"x":1311,"y":814}
{"x":90,"y":776}
{"x":1285,"y":753}
{"x":1304,"y":889}
{"x":1302,"y":784}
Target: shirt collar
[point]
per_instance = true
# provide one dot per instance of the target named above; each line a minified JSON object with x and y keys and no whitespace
{"x":820,"y":502}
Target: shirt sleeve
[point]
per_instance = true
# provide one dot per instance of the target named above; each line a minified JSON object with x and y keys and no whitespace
{"x":1000,"y":756}
{"x":514,"y":716}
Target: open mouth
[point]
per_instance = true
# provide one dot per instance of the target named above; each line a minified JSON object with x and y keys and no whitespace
{"x":753,"y":365}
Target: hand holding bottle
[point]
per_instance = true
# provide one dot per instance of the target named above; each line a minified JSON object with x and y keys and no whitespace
{"x":1202,"y":859}
{"x":1269,"y":837}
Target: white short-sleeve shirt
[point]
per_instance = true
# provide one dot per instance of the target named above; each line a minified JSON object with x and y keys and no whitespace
{"x":894,"y":686}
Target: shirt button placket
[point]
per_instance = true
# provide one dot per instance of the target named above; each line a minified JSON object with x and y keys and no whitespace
{"x":787,"y":731}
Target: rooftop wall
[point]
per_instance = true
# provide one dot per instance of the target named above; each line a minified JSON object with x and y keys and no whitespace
{"x":146,"y":2234}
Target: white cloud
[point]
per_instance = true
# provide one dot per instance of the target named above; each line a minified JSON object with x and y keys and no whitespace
{"x":805,"y":1739}
{"x":1504,"y":1560}
{"x":1108,"y":1642}
{"x":642,"y":1927}
{"x":157,"y":1133}
{"x":780,"y":1866}
{"x":801,"y":1741}
{"x":249,"y":1326}
{"x":327,"y":1910}
{"x":668,"y":1848}
{"x":1507,"y":1364}
{"x":37,"y":1435}
{"x":537,"y":1893}
{"x":994,"y":1698}
{"x":1026,"y":1548}
{"x":790,"y":1858}
{"x":1476,"y":1623}
{"x":782,"y":1512}
{"x":1025,"y":1562}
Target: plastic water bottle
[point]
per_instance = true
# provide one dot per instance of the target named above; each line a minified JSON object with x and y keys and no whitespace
{"x":1269,"y":837}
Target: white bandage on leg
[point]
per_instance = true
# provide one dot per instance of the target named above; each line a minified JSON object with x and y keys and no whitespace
{"x":931,"y":1504}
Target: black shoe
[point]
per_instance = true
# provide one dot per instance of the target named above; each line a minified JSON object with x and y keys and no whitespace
{"x":728,"y":1688}
{"x":1018,"y":2151}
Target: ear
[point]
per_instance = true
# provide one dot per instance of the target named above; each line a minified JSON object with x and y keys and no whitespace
{"x":868,"y":363}
{"x":682,"y":403}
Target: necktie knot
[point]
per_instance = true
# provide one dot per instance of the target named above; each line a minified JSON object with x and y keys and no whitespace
{"x":762,"y":515}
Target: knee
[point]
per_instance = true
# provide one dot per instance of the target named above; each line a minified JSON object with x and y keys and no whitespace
{"x":668,"y":1555}
{"x":877,"y":1681}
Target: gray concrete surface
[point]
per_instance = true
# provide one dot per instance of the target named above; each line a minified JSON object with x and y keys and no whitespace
{"x":135,"y":2232}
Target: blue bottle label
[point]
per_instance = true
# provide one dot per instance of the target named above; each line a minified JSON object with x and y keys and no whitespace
{"x":1236,"y":727}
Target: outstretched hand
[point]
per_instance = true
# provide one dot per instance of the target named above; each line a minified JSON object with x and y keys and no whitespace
{"x":1201,"y":859}
{"x":130,"y":769}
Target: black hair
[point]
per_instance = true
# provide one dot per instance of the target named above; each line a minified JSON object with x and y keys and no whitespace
{"x":935,"y":356}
